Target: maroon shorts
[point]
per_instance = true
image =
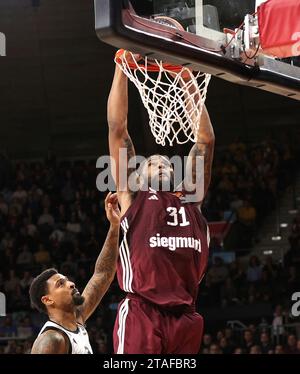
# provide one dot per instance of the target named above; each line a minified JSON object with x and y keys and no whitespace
{"x":143,"y":328}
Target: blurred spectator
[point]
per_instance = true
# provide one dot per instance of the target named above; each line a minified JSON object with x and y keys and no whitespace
{"x":214,"y":349}
{"x":255,"y":350}
{"x":207,"y":341}
{"x":12,"y":285}
{"x":238,"y":351}
{"x":278,"y":322}
{"x":225,"y":347}
{"x":279,"y":350}
{"x":25,"y":283}
{"x":25,"y":258}
{"x":46,"y":219}
{"x":248,"y":342}
{"x":291,"y":347}
{"x":7,"y":328}
{"x":254,"y":270}
{"x":42,"y":256}
{"x":25,"y":329}
{"x":228,"y":293}
{"x":265,"y":344}
{"x":217,"y":275}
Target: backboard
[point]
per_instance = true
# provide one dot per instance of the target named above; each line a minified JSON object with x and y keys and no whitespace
{"x":206,"y":18}
{"x":220,"y":37}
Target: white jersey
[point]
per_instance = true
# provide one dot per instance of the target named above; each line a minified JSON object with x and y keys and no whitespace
{"x":79,"y":340}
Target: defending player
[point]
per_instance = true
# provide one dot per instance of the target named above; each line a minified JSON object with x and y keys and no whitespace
{"x":55,"y":295}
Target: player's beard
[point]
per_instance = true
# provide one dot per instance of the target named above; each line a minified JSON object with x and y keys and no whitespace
{"x":77,"y":298}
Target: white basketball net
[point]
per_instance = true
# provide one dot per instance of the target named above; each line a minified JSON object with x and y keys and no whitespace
{"x":174,"y":103}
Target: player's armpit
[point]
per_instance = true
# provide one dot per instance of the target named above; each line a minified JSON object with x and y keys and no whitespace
{"x":50,"y":342}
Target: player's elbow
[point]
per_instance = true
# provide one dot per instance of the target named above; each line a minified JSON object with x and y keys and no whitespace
{"x":211,"y":139}
{"x":117,"y":127}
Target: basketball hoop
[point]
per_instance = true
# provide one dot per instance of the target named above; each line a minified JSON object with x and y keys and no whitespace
{"x":173,"y":95}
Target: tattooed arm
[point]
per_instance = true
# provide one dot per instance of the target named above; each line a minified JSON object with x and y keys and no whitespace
{"x":50,"y":342}
{"x":106,"y":263}
{"x":119,"y":139}
{"x":204,"y":146}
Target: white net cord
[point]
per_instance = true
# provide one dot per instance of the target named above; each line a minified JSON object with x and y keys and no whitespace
{"x":174,"y":100}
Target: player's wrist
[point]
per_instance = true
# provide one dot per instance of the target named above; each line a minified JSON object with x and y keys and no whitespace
{"x":114,"y":226}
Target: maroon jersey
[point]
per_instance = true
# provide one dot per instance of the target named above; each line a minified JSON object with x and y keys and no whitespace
{"x":164,"y":251}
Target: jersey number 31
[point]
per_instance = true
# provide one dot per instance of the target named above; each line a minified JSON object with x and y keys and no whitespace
{"x":177,"y":215}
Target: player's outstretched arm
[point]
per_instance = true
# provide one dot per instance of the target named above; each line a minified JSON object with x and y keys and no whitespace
{"x":106,"y":263}
{"x":205,"y":143}
{"x":204,"y":147}
{"x":50,"y":342}
{"x":117,"y":111}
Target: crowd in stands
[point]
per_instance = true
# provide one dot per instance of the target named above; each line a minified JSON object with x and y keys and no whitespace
{"x":246,"y":182}
{"x":51,"y":215}
{"x":251,"y":341}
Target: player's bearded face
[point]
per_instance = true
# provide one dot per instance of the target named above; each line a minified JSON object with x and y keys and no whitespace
{"x":77,"y":298}
{"x":63,"y":293}
{"x":159,"y":174}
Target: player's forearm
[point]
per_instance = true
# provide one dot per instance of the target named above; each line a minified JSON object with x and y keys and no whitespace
{"x":204,"y":147}
{"x":107,"y":260}
{"x":104,"y":273}
{"x":205,"y":133}
{"x":117,"y":107}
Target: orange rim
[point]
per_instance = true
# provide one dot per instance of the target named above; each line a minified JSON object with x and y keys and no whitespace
{"x":151,"y":67}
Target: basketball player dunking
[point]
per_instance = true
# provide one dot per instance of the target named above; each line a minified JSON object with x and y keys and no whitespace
{"x":164,"y":252}
{"x":55,"y":295}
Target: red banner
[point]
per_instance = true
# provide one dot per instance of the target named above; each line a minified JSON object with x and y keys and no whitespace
{"x":279,"y":27}
{"x":219,"y":230}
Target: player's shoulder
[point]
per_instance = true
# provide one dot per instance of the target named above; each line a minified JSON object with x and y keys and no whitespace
{"x":51,"y":341}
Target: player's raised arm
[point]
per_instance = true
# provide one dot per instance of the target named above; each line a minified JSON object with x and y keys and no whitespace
{"x":117,"y":111}
{"x":106,"y":263}
{"x":204,"y":146}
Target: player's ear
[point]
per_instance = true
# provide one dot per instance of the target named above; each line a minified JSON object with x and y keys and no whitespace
{"x":47,"y":300}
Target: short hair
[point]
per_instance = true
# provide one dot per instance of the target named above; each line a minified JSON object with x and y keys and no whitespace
{"x":39,"y":288}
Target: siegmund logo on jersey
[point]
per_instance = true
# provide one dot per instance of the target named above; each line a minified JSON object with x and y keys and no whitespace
{"x":174,"y":242}
{"x":138,"y":175}
{"x":2,"y":305}
{"x":2,"y":44}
